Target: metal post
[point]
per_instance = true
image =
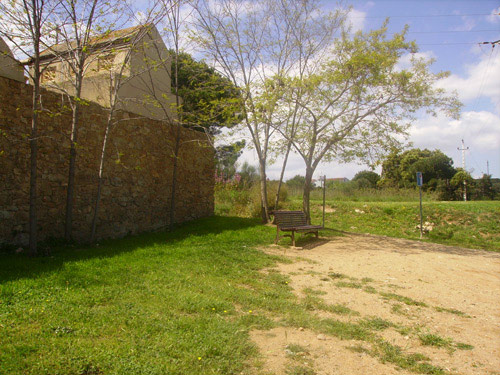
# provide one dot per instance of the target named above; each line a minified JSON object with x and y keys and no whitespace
{"x":420,"y":182}
{"x":421,"y":215}
{"x":324,"y":201}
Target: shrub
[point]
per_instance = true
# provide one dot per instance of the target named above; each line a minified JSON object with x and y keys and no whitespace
{"x":272,"y":189}
{"x":234,"y":198}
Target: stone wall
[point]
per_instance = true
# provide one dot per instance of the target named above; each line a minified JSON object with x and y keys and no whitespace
{"x":138,"y":170}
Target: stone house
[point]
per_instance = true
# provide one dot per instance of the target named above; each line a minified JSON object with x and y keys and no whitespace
{"x":136,"y":58}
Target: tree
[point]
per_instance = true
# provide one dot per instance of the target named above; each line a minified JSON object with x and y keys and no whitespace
{"x":248,"y":174}
{"x":226,"y":157}
{"x":250,"y":42}
{"x":297,"y":181}
{"x":399,"y":169}
{"x":76,"y":23}
{"x":484,"y":187}
{"x":360,"y":100}
{"x":117,"y":78}
{"x":366,"y":179}
{"x":463,"y":184}
{"x":24,"y":24}
{"x":209,"y":100}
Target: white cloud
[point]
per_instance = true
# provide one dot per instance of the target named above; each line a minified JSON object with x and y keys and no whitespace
{"x":494,"y":17}
{"x":480,"y":130}
{"x":357,"y":19}
{"x":468,"y":24}
{"x":481,"y":80}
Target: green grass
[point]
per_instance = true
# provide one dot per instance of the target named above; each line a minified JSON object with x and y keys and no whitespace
{"x":467,"y":224}
{"x":430,"y":339}
{"x":451,"y":311}
{"x":177,"y":303}
{"x":162,"y":303}
{"x":406,"y":300}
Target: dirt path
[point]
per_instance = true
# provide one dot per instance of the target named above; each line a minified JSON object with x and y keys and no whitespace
{"x":442,"y":302}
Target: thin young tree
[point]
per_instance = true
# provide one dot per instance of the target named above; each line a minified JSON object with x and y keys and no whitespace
{"x":252,"y":42}
{"x":361,"y":101}
{"x":77,"y":24}
{"x":117,"y":77}
{"x":23,"y":24}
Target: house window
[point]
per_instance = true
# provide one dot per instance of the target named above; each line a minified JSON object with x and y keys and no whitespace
{"x":105,"y":62}
{"x":49,"y":74}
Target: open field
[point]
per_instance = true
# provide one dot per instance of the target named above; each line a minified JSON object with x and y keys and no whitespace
{"x":196,"y":301}
{"x":474,"y":224}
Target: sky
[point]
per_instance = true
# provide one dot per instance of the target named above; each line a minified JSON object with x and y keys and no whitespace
{"x":451,"y":33}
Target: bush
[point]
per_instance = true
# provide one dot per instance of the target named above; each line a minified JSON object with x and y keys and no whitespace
{"x":235,"y":199}
{"x":272,"y":189}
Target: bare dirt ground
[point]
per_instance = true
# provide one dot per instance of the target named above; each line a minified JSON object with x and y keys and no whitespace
{"x":422,"y":289}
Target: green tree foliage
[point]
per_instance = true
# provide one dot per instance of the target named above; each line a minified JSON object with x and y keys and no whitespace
{"x":399,"y":169}
{"x":484,"y":188}
{"x":462,"y":182}
{"x":226,"y":157}
{"x":209,"y":100}
{"x":358,"y":102}
{"x":249,"y":175}
{"x":366,"y":179}
{"x":297,"y":181}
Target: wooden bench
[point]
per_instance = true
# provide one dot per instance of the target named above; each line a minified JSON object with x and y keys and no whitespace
{"x":293,"y":221}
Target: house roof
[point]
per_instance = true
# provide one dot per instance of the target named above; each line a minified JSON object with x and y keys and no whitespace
{"x":111,"y":38}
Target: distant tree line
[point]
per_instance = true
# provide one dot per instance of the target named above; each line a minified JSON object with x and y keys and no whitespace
{"x":399,"y":170}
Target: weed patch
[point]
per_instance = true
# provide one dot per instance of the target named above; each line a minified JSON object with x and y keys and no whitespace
{"x":452,"y":311}
{"x":349,"y":284}
{"x":406,"y":300}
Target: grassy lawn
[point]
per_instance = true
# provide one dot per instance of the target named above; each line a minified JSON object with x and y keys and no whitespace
{"x":152,"y":304}
{"x":162,"y":303}
{"x":468,"y":224}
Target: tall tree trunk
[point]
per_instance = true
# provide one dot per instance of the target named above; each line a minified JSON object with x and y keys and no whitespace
{"x":33,"y":222}
{"x":263,"y":191}
{"x":306,"y":203}
{"x":174,"y":178}
{"x":72,"y":167}
{"x":100,"y":179}
{"x":276,"y":202}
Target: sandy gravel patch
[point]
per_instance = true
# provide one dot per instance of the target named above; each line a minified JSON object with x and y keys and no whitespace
{"x":423,"y":289}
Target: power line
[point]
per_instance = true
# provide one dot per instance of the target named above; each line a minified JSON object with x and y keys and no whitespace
{"x":448,"y":44}
{"x":452,"y":31}
{"x":432,"y":15}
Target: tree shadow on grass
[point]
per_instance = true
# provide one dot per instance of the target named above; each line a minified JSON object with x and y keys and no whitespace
{"x":201,"y":231}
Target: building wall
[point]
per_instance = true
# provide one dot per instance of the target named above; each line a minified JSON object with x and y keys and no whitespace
{"x":9,"y":67}
{"x":136,"y":194}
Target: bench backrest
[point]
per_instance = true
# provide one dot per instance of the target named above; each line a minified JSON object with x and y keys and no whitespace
{"x":289,"y":218}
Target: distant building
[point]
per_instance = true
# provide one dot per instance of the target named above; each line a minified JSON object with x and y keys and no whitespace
{"x":138,"y":55}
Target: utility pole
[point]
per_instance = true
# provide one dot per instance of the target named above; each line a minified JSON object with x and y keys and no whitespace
{"x":463,"y":149}
{"x":488,"y":167}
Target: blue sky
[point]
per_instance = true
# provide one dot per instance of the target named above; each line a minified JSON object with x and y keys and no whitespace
{"x":450,"y":32}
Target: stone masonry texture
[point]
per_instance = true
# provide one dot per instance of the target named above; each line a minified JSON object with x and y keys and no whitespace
{"x":138,"y":170}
